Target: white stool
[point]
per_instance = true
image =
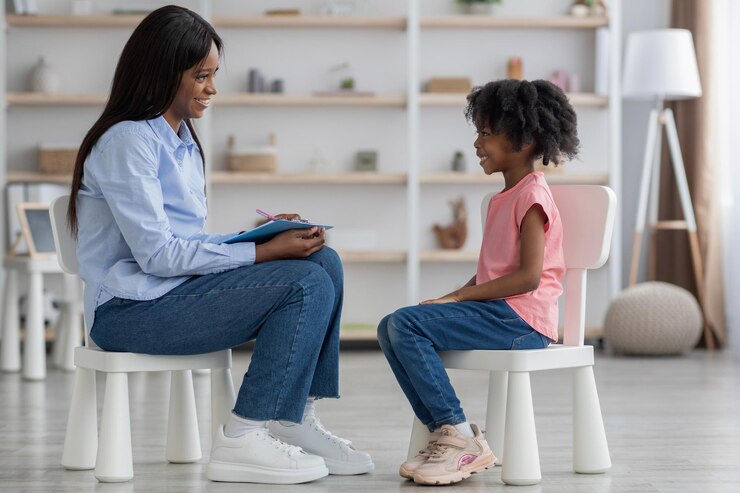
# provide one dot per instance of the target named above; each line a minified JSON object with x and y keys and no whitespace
{"x":68,"y":328}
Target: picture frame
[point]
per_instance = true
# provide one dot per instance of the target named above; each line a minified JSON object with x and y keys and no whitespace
{"x":36,"y":229}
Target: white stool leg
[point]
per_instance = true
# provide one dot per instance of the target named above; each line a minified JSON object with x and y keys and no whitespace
{"x":590,"y":450}
{"x":222,"y":398}
{"x":10,"y":349}
{"x":183,"y":441}
{"x":498,"y":383}
{"x":34,"y":346}
{"x":81,"y":437}
{"x":521,"y":462}
{"x":419,"y":438}
{"x":114,"y":462}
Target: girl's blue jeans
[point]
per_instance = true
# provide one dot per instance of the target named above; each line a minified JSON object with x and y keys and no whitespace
{"x":291,"y":308}
{"x":411,"y":336}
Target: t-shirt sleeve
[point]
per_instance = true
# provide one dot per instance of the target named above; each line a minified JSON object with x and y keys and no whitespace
{"x":534,"y":196}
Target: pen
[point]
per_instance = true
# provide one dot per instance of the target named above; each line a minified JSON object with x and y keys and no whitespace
{"x":268,"y":216}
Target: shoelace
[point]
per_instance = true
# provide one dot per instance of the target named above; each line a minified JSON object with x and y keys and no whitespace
{"x":329,"y":435}
{"x":279,"y":444}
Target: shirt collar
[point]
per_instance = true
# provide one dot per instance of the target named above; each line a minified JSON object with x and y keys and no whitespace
{"x":169,"y":137}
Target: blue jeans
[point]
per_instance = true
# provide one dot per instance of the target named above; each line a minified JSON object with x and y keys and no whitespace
{"x":411,"y":336}
{"x":291,"y":307}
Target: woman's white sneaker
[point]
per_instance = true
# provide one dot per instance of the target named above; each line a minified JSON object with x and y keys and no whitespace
{"x":340,"y":456}
{"x":259,"y":457}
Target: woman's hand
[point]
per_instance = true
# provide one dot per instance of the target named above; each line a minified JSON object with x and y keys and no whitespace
{"x":291,"y":244}
{"x":289,"y":217}
{"x":448,"y":298}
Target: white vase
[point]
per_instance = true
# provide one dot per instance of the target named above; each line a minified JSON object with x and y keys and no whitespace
{"x":45,"y":78}
{"x":480,"y":8}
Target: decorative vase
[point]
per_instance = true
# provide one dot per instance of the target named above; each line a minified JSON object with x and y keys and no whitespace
{"x":45,"y":78}
{"x":480,"y":8}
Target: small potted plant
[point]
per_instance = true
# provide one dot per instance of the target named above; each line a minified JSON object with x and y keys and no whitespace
{"x":479,"y":6}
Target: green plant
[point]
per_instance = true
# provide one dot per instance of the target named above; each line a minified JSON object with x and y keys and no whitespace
{"x":348,"y":83}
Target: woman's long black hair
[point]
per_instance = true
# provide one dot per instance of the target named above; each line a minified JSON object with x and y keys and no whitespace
{"x":169,"y":41}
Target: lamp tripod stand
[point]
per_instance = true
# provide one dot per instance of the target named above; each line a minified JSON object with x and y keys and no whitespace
{"x":661,"y":117}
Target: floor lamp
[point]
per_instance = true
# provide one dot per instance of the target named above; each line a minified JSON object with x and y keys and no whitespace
{"x":660,"y":65}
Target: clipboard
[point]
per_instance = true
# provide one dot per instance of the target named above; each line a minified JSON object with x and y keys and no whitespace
{"x":266,"y":231}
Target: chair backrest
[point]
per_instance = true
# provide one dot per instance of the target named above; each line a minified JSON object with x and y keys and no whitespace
{"x":587,"y":213}
{"x":65,"y":244}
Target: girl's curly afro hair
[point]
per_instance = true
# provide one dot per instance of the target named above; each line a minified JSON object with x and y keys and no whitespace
{"x":527,"y":112}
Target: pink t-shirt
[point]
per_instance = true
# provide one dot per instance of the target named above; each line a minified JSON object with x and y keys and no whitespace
{"x":499,"y":253}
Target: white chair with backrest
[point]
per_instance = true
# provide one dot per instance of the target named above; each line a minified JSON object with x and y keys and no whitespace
{"x":587,"y":213}
{"x":109,"y":452}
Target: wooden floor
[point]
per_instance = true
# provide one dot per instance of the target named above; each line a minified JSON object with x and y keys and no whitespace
{"x":673,"y":425}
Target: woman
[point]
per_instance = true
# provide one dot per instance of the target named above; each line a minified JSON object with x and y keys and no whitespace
{"x":155,"y":283}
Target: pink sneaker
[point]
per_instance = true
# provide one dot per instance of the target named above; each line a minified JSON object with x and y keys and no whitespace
{"x":455,"y":457}
{"x":408,"y":468}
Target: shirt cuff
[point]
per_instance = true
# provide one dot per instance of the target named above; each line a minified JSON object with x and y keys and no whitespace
{"x":242,"y":253}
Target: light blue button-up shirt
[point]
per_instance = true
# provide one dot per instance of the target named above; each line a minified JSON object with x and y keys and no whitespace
{"x":141,"y":211}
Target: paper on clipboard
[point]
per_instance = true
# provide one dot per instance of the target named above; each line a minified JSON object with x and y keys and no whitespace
{"x":266,"y":231}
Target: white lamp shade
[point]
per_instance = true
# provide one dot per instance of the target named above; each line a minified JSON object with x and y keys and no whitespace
{"x":661,"y":63}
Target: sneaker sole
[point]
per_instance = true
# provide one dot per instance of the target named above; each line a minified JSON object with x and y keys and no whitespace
{"x":242,"y":473}
{"x":405,"y":473}
{"x":478,"y":465}
{"x":341,"y":468}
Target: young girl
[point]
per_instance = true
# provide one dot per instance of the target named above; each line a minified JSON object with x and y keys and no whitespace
{"x":512,"y":301}
{"x":156,"y":283}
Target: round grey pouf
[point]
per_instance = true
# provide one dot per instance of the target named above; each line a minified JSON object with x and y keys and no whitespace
{"x":653,"y":318}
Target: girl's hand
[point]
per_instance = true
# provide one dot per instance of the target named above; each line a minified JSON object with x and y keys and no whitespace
{"x":448,"y":298}
{"x":291,"y":244}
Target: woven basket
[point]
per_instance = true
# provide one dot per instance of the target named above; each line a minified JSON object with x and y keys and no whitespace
{"x":57,"y":160}
{"x":252,"y":162}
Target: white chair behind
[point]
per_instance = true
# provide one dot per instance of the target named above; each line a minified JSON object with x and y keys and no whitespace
{"x":587,"y":213}
{"x":110,"y":451}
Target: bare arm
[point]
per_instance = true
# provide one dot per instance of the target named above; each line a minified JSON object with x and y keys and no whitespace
{"x":526,"y":278}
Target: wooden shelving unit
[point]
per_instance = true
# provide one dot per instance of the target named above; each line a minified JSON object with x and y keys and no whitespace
{"x":495,"y":22}
{"x":350,"y":178}
{"x":67,"y":21}
{"x":411,"y":104}
{"x":452,"y":99}
{"x":311,"y":22}
{"x":247,"y":99}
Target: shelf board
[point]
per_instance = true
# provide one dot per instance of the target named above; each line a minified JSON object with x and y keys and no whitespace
{"x":275,"y":100}
{"x":313,"y":21}
{"x":350,"y":178}
{"x":47,"y":99}
{"x":248,"y":99}
{"x":12,"y":176}
{"x":65,"y":21}
{"x":372,"y":256}
{"x":446,"y":256}
{"x":483,"y":21}
{"x":310,"y":21}
{"x":458,"y":99}
{"x":362,"y":332}
{"x":552,"y":177}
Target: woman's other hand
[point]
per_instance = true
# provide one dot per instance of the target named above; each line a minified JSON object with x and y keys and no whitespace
{"x":291,"y":244}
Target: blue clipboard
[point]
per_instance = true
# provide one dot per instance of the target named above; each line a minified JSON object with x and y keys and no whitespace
{"x":263,"y":233}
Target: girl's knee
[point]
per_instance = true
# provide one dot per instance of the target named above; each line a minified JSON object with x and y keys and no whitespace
{"x":317,"y":280}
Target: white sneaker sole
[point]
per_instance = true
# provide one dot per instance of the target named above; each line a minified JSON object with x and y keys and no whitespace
{"x":342,"y":468}
{"x":243,"y":473}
